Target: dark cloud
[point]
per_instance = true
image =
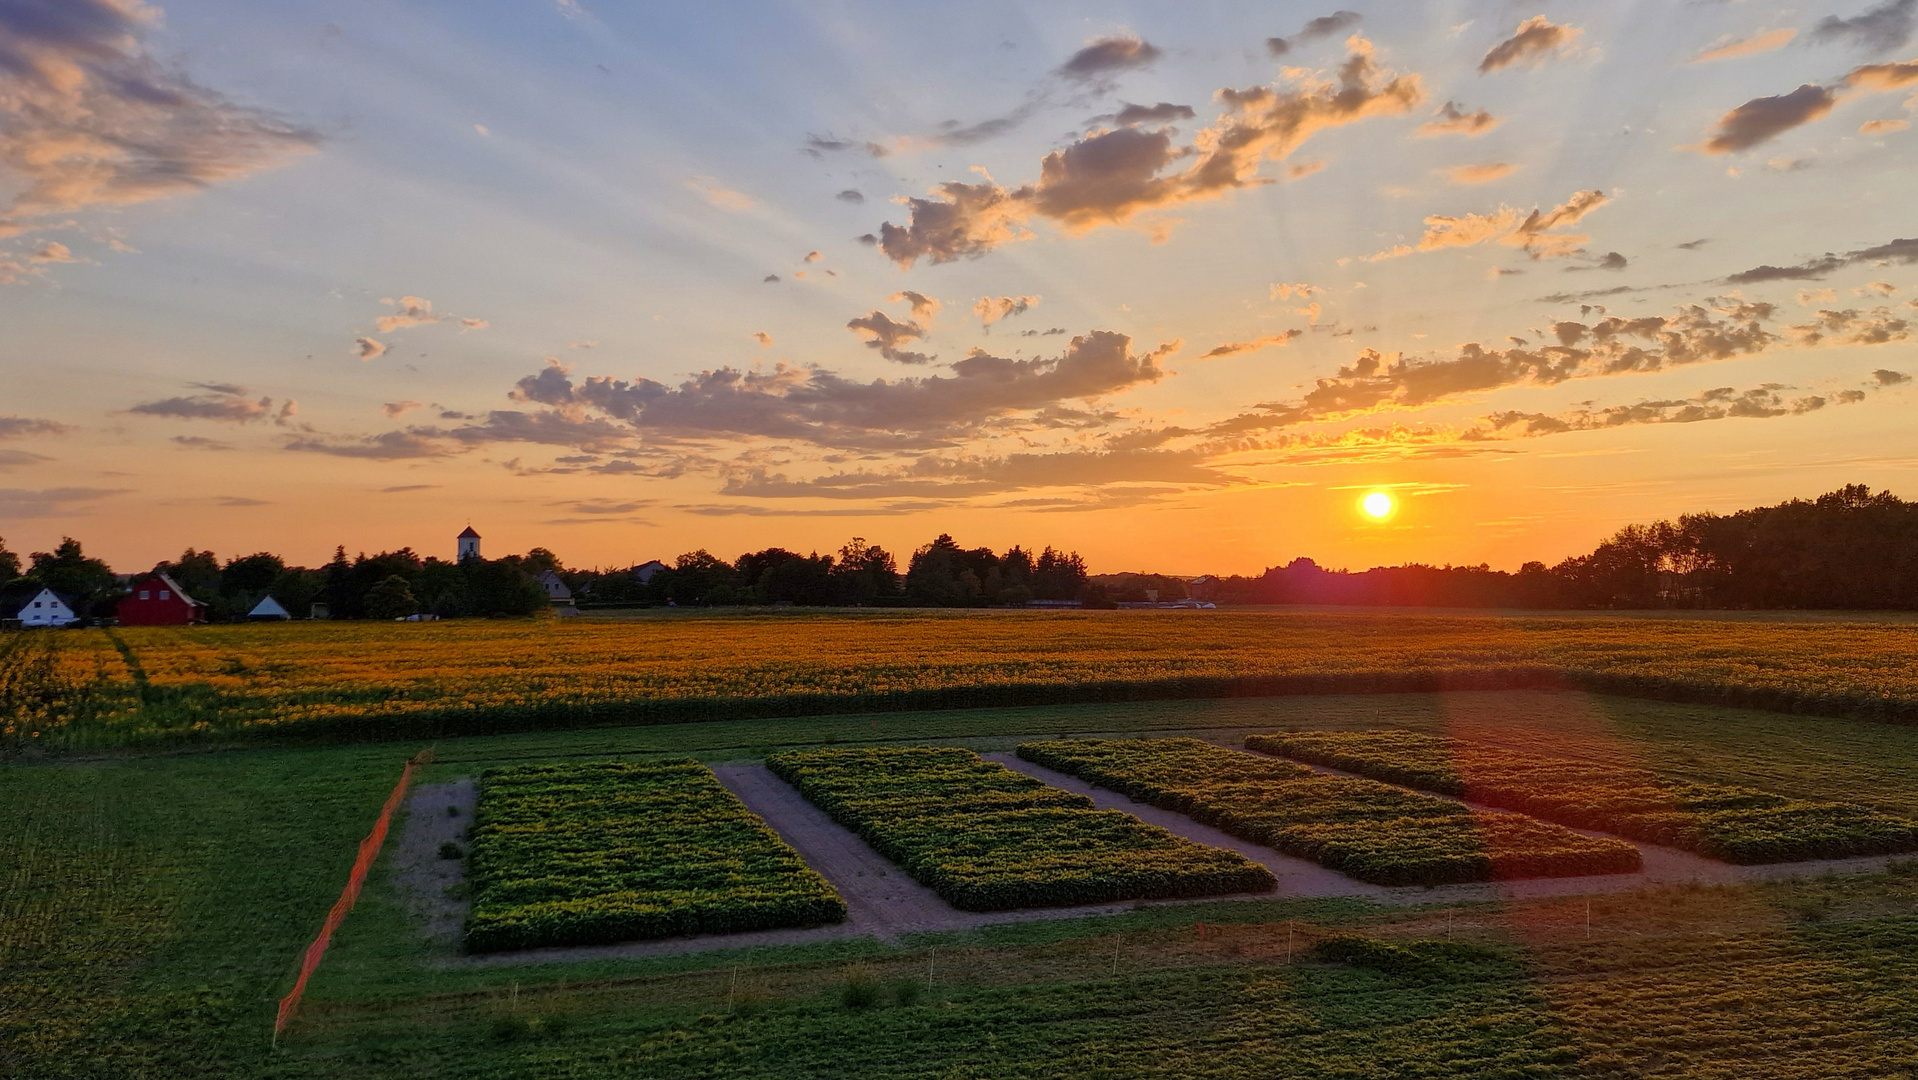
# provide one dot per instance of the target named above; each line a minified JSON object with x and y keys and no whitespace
{"x":19,"y":427}
{"x":221,"y":402}
{"x":1234,"y":348}
{"x":1694,"y":245}
{"x":881,"y":332}
{"x":1108,"y":177}
{"x":1043,"y":333}
{"x":821,"y":145}
{"x":50,"y":502}
{"x":1887,"y":377}
{"x":1762,"y":119}
{"x":89,"y":118}
{"x":1611,"y":260}
{"x":1163,"y":113}
{"x":850,"y":195}
{"x":390,"y":446}
{"x":1452,"y":120}
{"x":1880,"y":29}
{"x":1722,"y":403}
{"x":1323,"y":26}
{"x":199,"y":442}
{"x":1535,"y":40}
{"x":769,"y":279}
{"x":1875,"y":326}
{"x":818,"y":406}
{"x":14,"y":458}
{"x":1903,"y":251}
{"x":948,"y":476}
{"x":1107,"y":57}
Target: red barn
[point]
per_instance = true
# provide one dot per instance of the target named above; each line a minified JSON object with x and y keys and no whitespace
{"x":157,"y":600}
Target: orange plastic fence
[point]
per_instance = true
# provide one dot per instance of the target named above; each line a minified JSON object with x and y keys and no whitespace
{"x":369,"y":850}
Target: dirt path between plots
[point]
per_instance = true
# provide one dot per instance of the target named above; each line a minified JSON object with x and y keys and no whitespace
{"x":430,"y":885}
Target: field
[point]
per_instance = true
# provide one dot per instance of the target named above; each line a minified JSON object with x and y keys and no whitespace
{"x":988,"y":839}
{"x":589,"y":854}
{"x":1364,"y":829}
{"x":428,"y":680}
{"x":154,"y":902}
{"x":1737,"y":824}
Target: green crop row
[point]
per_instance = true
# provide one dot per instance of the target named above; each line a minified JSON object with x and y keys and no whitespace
{"x":1361,"y":828}
{"x":987,"y":838}
{"x":1737,"y":824}
{"x":589,"y":854}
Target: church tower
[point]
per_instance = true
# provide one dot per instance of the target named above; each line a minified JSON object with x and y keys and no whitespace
{"x":469,"y":544}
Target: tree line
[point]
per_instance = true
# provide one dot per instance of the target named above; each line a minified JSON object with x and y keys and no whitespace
{"x":1847,"y":549}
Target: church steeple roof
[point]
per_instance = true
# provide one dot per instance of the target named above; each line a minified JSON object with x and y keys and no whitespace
{"x":469,"y":534}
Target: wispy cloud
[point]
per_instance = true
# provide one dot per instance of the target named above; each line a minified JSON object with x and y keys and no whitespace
{"x":1730,"y":49}
{"x":1536,"y":40}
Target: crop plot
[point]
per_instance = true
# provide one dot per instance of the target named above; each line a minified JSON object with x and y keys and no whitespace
{"x":1361,"y":828}
{"x":989,"y":839}
{"x":1738,"y":824}
{"x":614,"y":851}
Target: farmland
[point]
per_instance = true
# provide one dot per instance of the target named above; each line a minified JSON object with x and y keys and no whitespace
{"x":135,"y":686}
{"x":155,"y":905}
{"x":588,"y":854}
{"x":986,"y":838}
{"x":1738,"y":824}
{"x":1367,"y":830}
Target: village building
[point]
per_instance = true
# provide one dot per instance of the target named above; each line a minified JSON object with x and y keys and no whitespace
{"x":643,"y":573}
{"x":268,"y":610}
{"x":557,"y":593}
{"x":44,"y":608}
{"x":157,"y":600}
{"x":469,"y":544}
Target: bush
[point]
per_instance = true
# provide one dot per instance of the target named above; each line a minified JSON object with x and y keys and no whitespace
{"x":588,"y":854}
{"x":451,"y":850}
{"x":989,"y":839}
{"x":860,"y":990}
{"x":1360,"y":828}
{"x":1737,"y":824}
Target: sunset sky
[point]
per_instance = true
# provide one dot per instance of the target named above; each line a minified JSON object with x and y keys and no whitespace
{"x":1175,"y":285}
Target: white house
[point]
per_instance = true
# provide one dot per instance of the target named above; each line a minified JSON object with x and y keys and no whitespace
{"x":267,"y":610}
{"x":557,"y":593}
{"x":644,"y":572}
{"x":44,"y":608}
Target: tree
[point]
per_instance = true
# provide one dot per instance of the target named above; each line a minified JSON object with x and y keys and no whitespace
{"x":196,"y":572}
{"x":68,"y":571}
{"x":864,"y":573}
{"x":391,"y":599}
{"x":9,"y":563}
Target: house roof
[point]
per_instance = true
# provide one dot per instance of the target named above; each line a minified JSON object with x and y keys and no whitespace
{"x":469,"y":534}
{"x":166,"y":581}
{"x":21,"y":594}
{"x":269,"y":606}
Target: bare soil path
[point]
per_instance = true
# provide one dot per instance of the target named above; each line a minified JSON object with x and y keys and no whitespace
{"x":430,"y":886}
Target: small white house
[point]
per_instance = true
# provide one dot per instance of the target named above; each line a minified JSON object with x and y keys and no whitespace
{"x":643,"y":573}
{"x":268,"y":610}
{"x":45,"y":608}
{"x":557,"y":593}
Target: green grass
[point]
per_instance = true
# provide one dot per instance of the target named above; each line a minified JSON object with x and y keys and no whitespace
{"x":153,"y":908}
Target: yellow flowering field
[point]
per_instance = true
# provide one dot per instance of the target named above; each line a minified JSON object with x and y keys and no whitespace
{"x":369,"y":680}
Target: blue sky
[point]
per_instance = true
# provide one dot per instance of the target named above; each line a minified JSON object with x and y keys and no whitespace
{"x":509,"y":263}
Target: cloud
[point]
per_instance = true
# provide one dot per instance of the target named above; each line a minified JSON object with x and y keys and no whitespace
{"x":1108,"y":177}
{"x":398,"y":488}
{"x":1323,"y":26}
{"x":1882,"y":127}
{"x":20,"y":427}
{"x":881,"y":332}
{"x":820,"y":145}
{"x":1814,"y":297}
{"x":1479,"y":174}
{"x":1285,"y":291}
{"x":850,"y":195}
{"x":818,"y":406}
{"x":370,"y":349}
{"x":1062,"y":330}
{"x":812,"y":257}
{"x":765,"y":340}
{"x":1163,"y":113}
{"x":943,"y":476}
{"x":1886,"y":377}
{"x":1452,"y":120}
{"x":1883,"y":78}
{"x":221,"y":402}
{"x":991,"y":310}
{"x":722,"y":197}
{"x":1763,"y":119}
{"x":923,"y":306}
{"x":1534,"y":233}
{"x":89,"y":118}
{"x":1877,"y":326}
{"x":1877,"y":288}
{"x":1108,"y":56}
{"x":396,"y":409}
{"x":390,"y":446}
{"x":571,"y":9}
{"x":1721,"y":403}
{"x":1881,"y":29}
{"x":1903,"y":251}
{"x":1750,"y":46}
{"x":1303,"y":169}
{"x":53,"y":252}
{"x":467,"y":322}
{"x":50,"y":502}
{"x":1536,"y":40}
{"x":770,"y":279}
{"x":1234,"y":348}
{"x":413,"y":311}
{"x":200,"y":442}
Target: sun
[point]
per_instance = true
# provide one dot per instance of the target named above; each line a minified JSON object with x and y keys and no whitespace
{"x":1378,"y":505}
